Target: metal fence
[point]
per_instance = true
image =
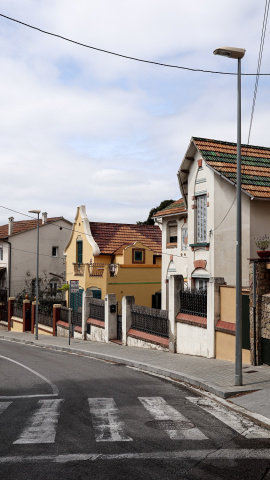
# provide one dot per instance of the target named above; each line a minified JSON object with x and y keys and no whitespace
{"x":150,"y":320}
{"x":64,"y":317}
{"x":4,"y":311}
{"x":3,"y":295}
{"x":97,"y":309}
{"x":193,"y":302}
{"x":45,"y":319}
{"x":18,"y":310}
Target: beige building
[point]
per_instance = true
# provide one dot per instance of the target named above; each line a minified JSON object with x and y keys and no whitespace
{"x":18,"y":258}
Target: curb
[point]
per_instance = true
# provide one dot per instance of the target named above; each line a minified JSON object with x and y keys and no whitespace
{"x":174,"y":375}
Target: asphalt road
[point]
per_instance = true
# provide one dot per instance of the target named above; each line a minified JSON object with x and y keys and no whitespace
{"x":65,"y":416}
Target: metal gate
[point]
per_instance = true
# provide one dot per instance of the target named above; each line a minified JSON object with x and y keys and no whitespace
{"x":119,"y":321}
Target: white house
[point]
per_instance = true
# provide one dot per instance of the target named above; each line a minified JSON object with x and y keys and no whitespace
{"x":204,"y":255}
{"x":207,"y":180}
{"x":173,"y":221}
{"x":18,"y":258}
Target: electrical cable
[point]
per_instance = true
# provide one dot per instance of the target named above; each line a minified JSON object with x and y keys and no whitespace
{"x":125,"y":56}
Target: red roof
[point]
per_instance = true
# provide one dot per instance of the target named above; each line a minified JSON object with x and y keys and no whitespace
{"x":24,"y":225}
{"x":111,"y":236}
{"x":175,"y":207}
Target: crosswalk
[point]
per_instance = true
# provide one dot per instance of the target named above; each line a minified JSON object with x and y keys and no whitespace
{"x":108,"y":424}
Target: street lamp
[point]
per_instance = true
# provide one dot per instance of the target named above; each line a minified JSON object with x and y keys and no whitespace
{"x":237,"y":53}
{"x":37,"y":277}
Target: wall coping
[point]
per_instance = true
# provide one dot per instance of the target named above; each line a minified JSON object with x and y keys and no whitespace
{"x":192,"y":320}
{"x":225,"y":327}
{"x":148,"y":337}
{"x":96,"y":323}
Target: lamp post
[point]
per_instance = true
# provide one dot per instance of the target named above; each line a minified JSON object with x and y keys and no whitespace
{"x":37,"y":277}
{"x":238,"y":54}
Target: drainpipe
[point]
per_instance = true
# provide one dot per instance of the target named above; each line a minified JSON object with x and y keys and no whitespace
{"x":254,"y":310}
{"x":9,"y":267}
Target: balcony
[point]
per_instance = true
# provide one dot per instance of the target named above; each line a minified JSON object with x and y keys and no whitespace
{"x":97,"y":269}
{"x":79,"y":269}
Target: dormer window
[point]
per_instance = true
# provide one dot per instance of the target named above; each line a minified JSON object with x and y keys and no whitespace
{"x":138,"y":255}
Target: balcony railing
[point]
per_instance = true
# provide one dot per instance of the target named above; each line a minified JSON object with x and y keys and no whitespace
{"x":79,"y":269}
{"x":97,"y":269}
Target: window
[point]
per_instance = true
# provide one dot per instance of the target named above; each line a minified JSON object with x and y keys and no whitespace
{"x":1,"y":253}
{"x":138,"y":255}
{"x":184,"y":235}
{"x":79,"y":251}
{"x":54,"y":251}
{"x":172,"y":234}
{"x":201,"y":218}
{"x":201,"y":284}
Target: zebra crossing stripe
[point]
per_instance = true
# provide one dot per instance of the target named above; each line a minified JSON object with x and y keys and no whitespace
{"x":107,"y":425}
{"x":41,"y":427}
{"x":175,"y":424}
{"x":4,"y":406}
{"x":235,"y":421}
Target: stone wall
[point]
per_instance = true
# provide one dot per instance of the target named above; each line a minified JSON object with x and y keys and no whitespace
{"x":259,"y":313}
{"x":265,"y":316}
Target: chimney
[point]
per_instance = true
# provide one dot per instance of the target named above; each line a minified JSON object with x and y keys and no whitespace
{"x":10,"y":225}
{"x":44,"y":217}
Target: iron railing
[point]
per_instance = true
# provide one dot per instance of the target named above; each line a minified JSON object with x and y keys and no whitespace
{"x":64,"y":317}
{"x":150,"y":320}
{"x":193,"y":302}
{"x":97,"y":309}
{"x":18,"y":310}
{"x":3,"y":311}
{"x":45,"y":319}
{"x":96,"y":269}
{"x":76,"y":318}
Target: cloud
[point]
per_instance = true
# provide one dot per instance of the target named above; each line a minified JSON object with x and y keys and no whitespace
{"x":83,"y":127}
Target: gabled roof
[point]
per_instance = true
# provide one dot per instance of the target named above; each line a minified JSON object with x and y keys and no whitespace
{"x":222,"y":156}
{"x":175,"y":207}
{"x":24,"y":225}
{"x":111,"y":236}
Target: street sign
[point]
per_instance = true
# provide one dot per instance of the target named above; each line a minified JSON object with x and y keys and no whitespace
{"x":74,"y":286}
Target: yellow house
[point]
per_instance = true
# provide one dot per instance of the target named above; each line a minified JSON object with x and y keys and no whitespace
{"x":124,"y":259}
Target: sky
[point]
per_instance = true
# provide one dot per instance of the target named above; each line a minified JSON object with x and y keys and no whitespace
{"x":82,"y":127}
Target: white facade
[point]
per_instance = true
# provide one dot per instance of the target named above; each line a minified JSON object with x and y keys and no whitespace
{"x":218,"y":252}
{"x":174,"y":255}
{"x":20,"y":253}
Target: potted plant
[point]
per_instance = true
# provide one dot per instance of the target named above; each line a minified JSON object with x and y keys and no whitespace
{"x":263,"y":243}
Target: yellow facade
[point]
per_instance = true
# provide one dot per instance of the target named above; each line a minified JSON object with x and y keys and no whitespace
{"x":225,"y":342}
{"x":116,"y":273}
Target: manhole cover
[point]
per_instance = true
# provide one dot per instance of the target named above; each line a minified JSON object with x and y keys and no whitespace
{"x":170,"y":425}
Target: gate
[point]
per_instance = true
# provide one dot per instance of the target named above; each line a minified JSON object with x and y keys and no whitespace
{"x":3,"y":311}
{"x":76,"y":300}
{"x":119,"y":321}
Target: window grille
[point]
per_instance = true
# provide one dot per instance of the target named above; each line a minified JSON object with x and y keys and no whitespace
{"x":201,"y":218}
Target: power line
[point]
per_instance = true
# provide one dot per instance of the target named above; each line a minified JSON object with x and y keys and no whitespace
{"x":125,"y":56}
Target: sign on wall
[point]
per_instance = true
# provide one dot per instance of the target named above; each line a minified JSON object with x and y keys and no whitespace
{"x":74,"y":286}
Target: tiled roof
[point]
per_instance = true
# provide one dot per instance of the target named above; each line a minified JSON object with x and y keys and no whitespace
{"x":24,"y":225}
{"x":175,"y":207}
{"x":111,"y":237}
{"x":255,"y":162}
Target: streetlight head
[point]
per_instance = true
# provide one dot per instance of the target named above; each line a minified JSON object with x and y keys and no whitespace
{"x":230,"y":52}
{"x":34,"y":211}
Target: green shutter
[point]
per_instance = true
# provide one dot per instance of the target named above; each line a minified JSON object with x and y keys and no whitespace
{"x":79,"y":252}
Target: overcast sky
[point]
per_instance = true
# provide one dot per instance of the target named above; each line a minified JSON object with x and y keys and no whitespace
{"x":81,"y":127}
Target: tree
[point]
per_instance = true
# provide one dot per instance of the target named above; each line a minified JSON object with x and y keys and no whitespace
{"x":154,"y":210}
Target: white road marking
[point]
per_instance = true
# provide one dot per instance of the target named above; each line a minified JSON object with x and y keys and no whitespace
{"x":107,"y":425}
{"x":161,"y":411}
{"x":55,"y":390}
{"x":207,"y":455}
{"x":41,"y":427}
{"x":237,"y":422}
{"x":4,"y":406}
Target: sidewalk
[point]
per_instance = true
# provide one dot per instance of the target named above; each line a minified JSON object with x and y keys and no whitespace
{"x":213,"y":375}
